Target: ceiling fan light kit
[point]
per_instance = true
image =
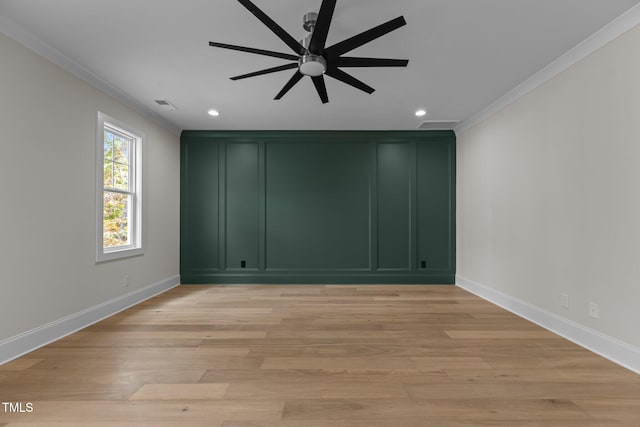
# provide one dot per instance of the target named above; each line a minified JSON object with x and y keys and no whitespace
{"x":312,"y":58}
{"x":312,"y":65}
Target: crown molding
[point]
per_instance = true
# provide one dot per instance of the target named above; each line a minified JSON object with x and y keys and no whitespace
{"x":29,"y":40}
{"x":606,"y":34}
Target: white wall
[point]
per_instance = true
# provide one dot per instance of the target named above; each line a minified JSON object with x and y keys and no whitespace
{"x":47,"y":196}
{"x":548,"y":194}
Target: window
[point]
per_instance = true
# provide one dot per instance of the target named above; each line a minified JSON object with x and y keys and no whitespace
{"x":118,"y":190}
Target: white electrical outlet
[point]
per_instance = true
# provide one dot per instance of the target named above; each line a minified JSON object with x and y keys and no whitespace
{"x":125,"y":281}
{"x":594,"y":311}
{"x":564,"y":300}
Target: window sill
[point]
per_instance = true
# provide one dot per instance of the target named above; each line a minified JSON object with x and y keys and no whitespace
{"x":118,"y":254}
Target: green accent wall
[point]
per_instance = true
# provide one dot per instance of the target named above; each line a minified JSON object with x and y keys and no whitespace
{"x":317,"y":207}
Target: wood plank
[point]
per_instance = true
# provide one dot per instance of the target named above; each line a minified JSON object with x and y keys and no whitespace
{"x":626,"y":410}
{"x":89,"y":423}
{"x":29,"y":392}
{"x":427,"y":410}
{"x":515,"y":390}
{"x":334,"y":376}
{"x":123,"y":411}
{"x":475,"y":334}
{"x":172,"y":335}
{"x":357,"y":333}
{"x":374,"y":363}
{"x":20,"y":364}
{"x":180,"y":391}
{"x":409,"y":421}
{"x":315,"y":389}
{"x":197,"y":363}
{"x":105,"y":376}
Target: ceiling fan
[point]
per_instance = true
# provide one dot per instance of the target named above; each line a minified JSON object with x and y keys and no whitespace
{"x":312,"y":58}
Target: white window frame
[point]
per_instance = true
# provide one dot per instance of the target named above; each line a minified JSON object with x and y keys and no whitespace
{"x":135,"y":247}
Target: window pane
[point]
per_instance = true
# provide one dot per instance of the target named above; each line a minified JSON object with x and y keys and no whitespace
{"x":121,"y":176}
{"x":108,"y":146}
{"x":121,"y":149}
{"x":116,"y":219}
{"x":108,"y":174}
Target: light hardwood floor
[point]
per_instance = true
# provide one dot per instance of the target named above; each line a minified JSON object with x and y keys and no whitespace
{"x":317,"y":356}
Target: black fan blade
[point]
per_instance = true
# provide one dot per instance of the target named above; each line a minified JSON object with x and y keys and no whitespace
{"x":267,"y":71}
{"x":320,"y":31}
{"x":348,"y":61}
{"x":349,"y":79}
{"x":292,"y":81}
{"x":273,"y":26}
{"x":318,"y":82}
{"x":256,"y":51}
{"x":365,"y":37}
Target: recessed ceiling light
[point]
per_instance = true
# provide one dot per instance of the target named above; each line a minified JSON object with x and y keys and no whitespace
{"x":421,"y":113}
{"x":213,"y":113}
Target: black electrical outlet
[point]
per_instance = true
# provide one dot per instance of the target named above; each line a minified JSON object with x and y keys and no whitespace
{"x":243,"y":264}
{"x":423,"y":264}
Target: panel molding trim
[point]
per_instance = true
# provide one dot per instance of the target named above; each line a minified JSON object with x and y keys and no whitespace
{"x":604,"y":345}
{"x":312,"y":226}
{"x":26,"y":342}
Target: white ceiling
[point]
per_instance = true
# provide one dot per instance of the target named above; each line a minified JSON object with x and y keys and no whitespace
{"x":463,"y":55}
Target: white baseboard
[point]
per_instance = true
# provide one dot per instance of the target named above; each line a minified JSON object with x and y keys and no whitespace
{"x":26,"y":342}
{"x":608,"y":347}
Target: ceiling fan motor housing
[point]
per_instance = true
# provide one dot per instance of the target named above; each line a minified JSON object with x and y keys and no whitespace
{"x":310,"y":64}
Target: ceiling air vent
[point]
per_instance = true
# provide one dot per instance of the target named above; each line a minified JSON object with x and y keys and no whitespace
{"x":166,"y":105}
{"x":438,"y":124}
